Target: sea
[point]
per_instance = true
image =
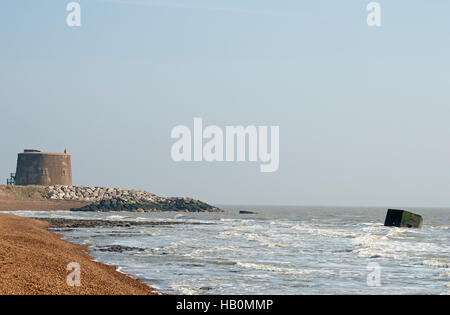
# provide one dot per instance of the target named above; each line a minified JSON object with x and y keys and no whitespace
{"x":277,"y":250}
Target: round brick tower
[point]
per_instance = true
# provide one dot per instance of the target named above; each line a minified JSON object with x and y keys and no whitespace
{"x":42,"y":168}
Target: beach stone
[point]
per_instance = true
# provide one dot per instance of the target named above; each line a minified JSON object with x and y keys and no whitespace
{"x":403,"y":218}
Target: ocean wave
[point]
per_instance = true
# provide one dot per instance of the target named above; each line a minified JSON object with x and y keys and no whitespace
{"x":221,"y":262}
{"x":272,"y":268}
{"x":149,"y":232}
{"x":89,"y":242}
{"x":375,"y":228}
{"x":229,"y":220}
{"x":183,"y":288}
{"x":170,"y":247}
{"x":445,"y":273}
{"x":183,"y":245}
{"x":374,"y":246}
{"x":115,"y":217}
{"x":393,"y":232}
{"x":120,"y":269}
{"x":448,"y":292}
{"x":139,"y":219}
{"x":398,"y":233}
{"x":212,"y":250}
{"x":241,"y":221}
{"x":281,"y":223}
{"x":440,"y":227}
{"x":324,"y":232}
{"x":437,"y":263}
{"x":379,"y":245}
{"x":263,"y":240}
{"x":230,"y":234}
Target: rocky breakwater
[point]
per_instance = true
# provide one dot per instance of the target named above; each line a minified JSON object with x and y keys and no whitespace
{"x":161,"y":204}
{"x":95,"y":194}
{"x":118,"y":199}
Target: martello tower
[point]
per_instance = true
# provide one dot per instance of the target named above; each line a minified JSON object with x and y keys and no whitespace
{"x":42,"y":168}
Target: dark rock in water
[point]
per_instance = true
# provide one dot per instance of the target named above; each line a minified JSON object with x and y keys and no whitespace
{"x":246,"y":212}
{"x":119,"y":248}
{"x":402,"y":218}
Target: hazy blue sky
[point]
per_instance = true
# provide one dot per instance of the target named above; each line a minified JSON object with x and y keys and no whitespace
{"x":363,"y":112}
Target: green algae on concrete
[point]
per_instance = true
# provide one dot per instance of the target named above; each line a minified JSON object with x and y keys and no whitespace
{"x":403,"y":218}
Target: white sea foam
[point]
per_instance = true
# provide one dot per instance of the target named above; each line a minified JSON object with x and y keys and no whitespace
{"x":324,"y":232}
{"x":438,"y":227}
{"x":170,"y":247}
{"x":220,"y":250}
{"x":120,"y":269}
{"x":230,"y":234}
{"x":375,"y":228}
{"x":398,"y":233}
{"x":379,"y":245}
{"x":139,"y":219}
{"x":437,"y":263}
{"x":281,"y":223}
{"x":184,"y":288}
{"x":229,"y":220}
{"x":271,"y":268}
{"x":115,"y":217}
{"x":263,"y":240}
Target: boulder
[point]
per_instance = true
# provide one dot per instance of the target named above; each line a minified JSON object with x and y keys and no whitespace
{"x":246,"y":212}
{"x":403,"y":218}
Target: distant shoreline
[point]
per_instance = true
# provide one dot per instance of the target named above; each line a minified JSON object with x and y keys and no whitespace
{"x":39,"y":205}
{"x":35,"y":262}
{"x":13,"y":198}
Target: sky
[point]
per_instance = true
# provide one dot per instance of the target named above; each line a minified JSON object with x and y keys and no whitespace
{"x":363,"y":111}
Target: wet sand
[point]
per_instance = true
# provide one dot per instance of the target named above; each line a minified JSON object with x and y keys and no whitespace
{"x":34,"y":261}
